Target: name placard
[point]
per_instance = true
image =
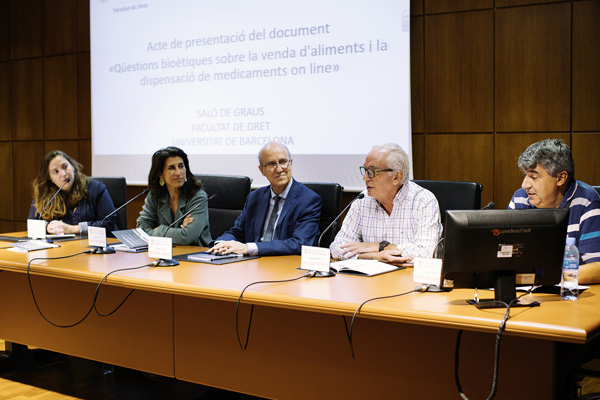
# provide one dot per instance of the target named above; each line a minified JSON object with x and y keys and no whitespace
{"x":427,"y":270}
{"x":96,"y":236}
{"x":315,"y":258}
{"x":160,"y":247}
{"x":36,"y":228}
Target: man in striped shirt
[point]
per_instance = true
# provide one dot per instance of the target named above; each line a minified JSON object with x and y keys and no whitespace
{"x":396,"y":221}
{"x":548,"y":182}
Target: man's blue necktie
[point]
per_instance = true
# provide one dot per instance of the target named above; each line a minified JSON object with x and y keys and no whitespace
{"x":271,"y":226}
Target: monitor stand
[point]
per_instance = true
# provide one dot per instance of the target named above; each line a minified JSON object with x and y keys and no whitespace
{"x":504,"y":292}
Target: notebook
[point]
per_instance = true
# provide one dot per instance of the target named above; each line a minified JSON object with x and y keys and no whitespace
{"x":362,"y":267}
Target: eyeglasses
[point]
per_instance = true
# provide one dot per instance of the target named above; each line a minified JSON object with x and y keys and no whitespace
{"x":371,"y":172}
{"x":283,"y":163}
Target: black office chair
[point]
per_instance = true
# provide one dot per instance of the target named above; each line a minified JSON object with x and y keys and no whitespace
{"x":117,"y":189}
{"x":331,"y":198}
{"x":454,"y":195}
{"x":597,"y":189}
{"x":231,"y":191}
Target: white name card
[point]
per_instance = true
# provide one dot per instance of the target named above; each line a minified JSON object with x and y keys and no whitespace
{"x":96,"y":236}
{"x":160,"y":247}
{"x":315,"y":258}
{"x":427,"y":270}
{"x":36,"y":228}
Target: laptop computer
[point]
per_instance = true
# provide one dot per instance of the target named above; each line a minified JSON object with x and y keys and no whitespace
{"x":132,"y":240}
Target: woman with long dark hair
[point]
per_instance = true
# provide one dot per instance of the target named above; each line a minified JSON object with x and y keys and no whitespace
{"x":174,"y":190}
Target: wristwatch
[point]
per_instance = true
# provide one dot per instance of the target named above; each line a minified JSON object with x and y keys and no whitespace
{"x":382,"y":244}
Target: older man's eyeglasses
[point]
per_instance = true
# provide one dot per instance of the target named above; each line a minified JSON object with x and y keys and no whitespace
{"x":371,"y":172}
{"x":283,"y":163}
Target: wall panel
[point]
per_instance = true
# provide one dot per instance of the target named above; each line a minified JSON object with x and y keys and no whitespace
{"x":512,"y":3}
{"x":83,"y":25}
{"x":7,"y":226}
{"x":442,"y":6}
{"x":416,"y":7}
{"x":27,"y":156}
{"x":85,"y":155}
{"x":6,"y":181}
{"x":586,"y":154}
{"x":71,"y":147}
{"x":533,"y":68}
{"x":4,"y":30}
{"x":416,"y":74}
{"x":59,"y":26}
{"x":586,"y":64}
{"x":60,"y":97}
{"x":27,"y":105}
{"x":418,"y":152}
{"x":25,"y":28}
{"x":462,"y":157}
{"x":5,"y":106}
{"x":84,"y":93}
{"x":459,"y":72}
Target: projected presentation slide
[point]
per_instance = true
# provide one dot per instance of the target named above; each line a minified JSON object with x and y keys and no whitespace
{"x":220,"y":78}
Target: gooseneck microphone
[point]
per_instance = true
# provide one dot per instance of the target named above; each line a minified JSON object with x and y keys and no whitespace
{"x":188,"y":213}
{"x":326,"y":274}
{"x":113,"y":212}
{"x":489,"y":205}
{"x":360,"y":196}
{"x":57,"y":192}
{"x":162,"y":262}
{"x":108,"y":249}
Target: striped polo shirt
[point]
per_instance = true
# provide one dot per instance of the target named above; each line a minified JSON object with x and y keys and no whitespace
{"x":584,"y":217}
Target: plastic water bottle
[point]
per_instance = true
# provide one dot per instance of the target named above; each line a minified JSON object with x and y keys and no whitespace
{"x":570,"y":273}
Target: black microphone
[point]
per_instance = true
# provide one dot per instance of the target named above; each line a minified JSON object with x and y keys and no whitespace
{"x":326,"y":274}
{"x":108,"y":249}
{"x":57,"y":192}
{"x":360,"y":196}
{"x":489,"y":205}
{"x":187,"y":213}
{"x":135,"y":197}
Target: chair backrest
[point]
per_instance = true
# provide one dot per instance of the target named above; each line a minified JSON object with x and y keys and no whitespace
{"x":454,"y":195}
{"x":117,"y":189}
{"x":223,"y":210}
{"x":597,"y":189}
{"x":331,"y":199}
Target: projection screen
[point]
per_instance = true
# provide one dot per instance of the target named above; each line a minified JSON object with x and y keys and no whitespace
{"x":220,"y":78}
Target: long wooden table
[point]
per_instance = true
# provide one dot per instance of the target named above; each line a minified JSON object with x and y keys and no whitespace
{"x":180,"y":322}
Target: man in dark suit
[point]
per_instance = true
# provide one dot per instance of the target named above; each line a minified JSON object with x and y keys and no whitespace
{"x":277,"y":219}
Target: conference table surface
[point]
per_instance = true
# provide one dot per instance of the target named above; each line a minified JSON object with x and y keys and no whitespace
{"x":179,"y":322}
{"x":557,"y":320}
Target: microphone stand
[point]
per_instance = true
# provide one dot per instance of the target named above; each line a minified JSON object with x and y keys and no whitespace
{"x":108,"y":249}
{"x":55,"y":194}
{"x":327,"y":274}
{"x":163,"y":262}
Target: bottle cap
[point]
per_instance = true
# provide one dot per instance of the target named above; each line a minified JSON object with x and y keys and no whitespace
{"x":570,"y":241}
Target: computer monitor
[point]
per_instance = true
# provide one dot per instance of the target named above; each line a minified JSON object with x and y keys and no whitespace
{"x":503,"y":248}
